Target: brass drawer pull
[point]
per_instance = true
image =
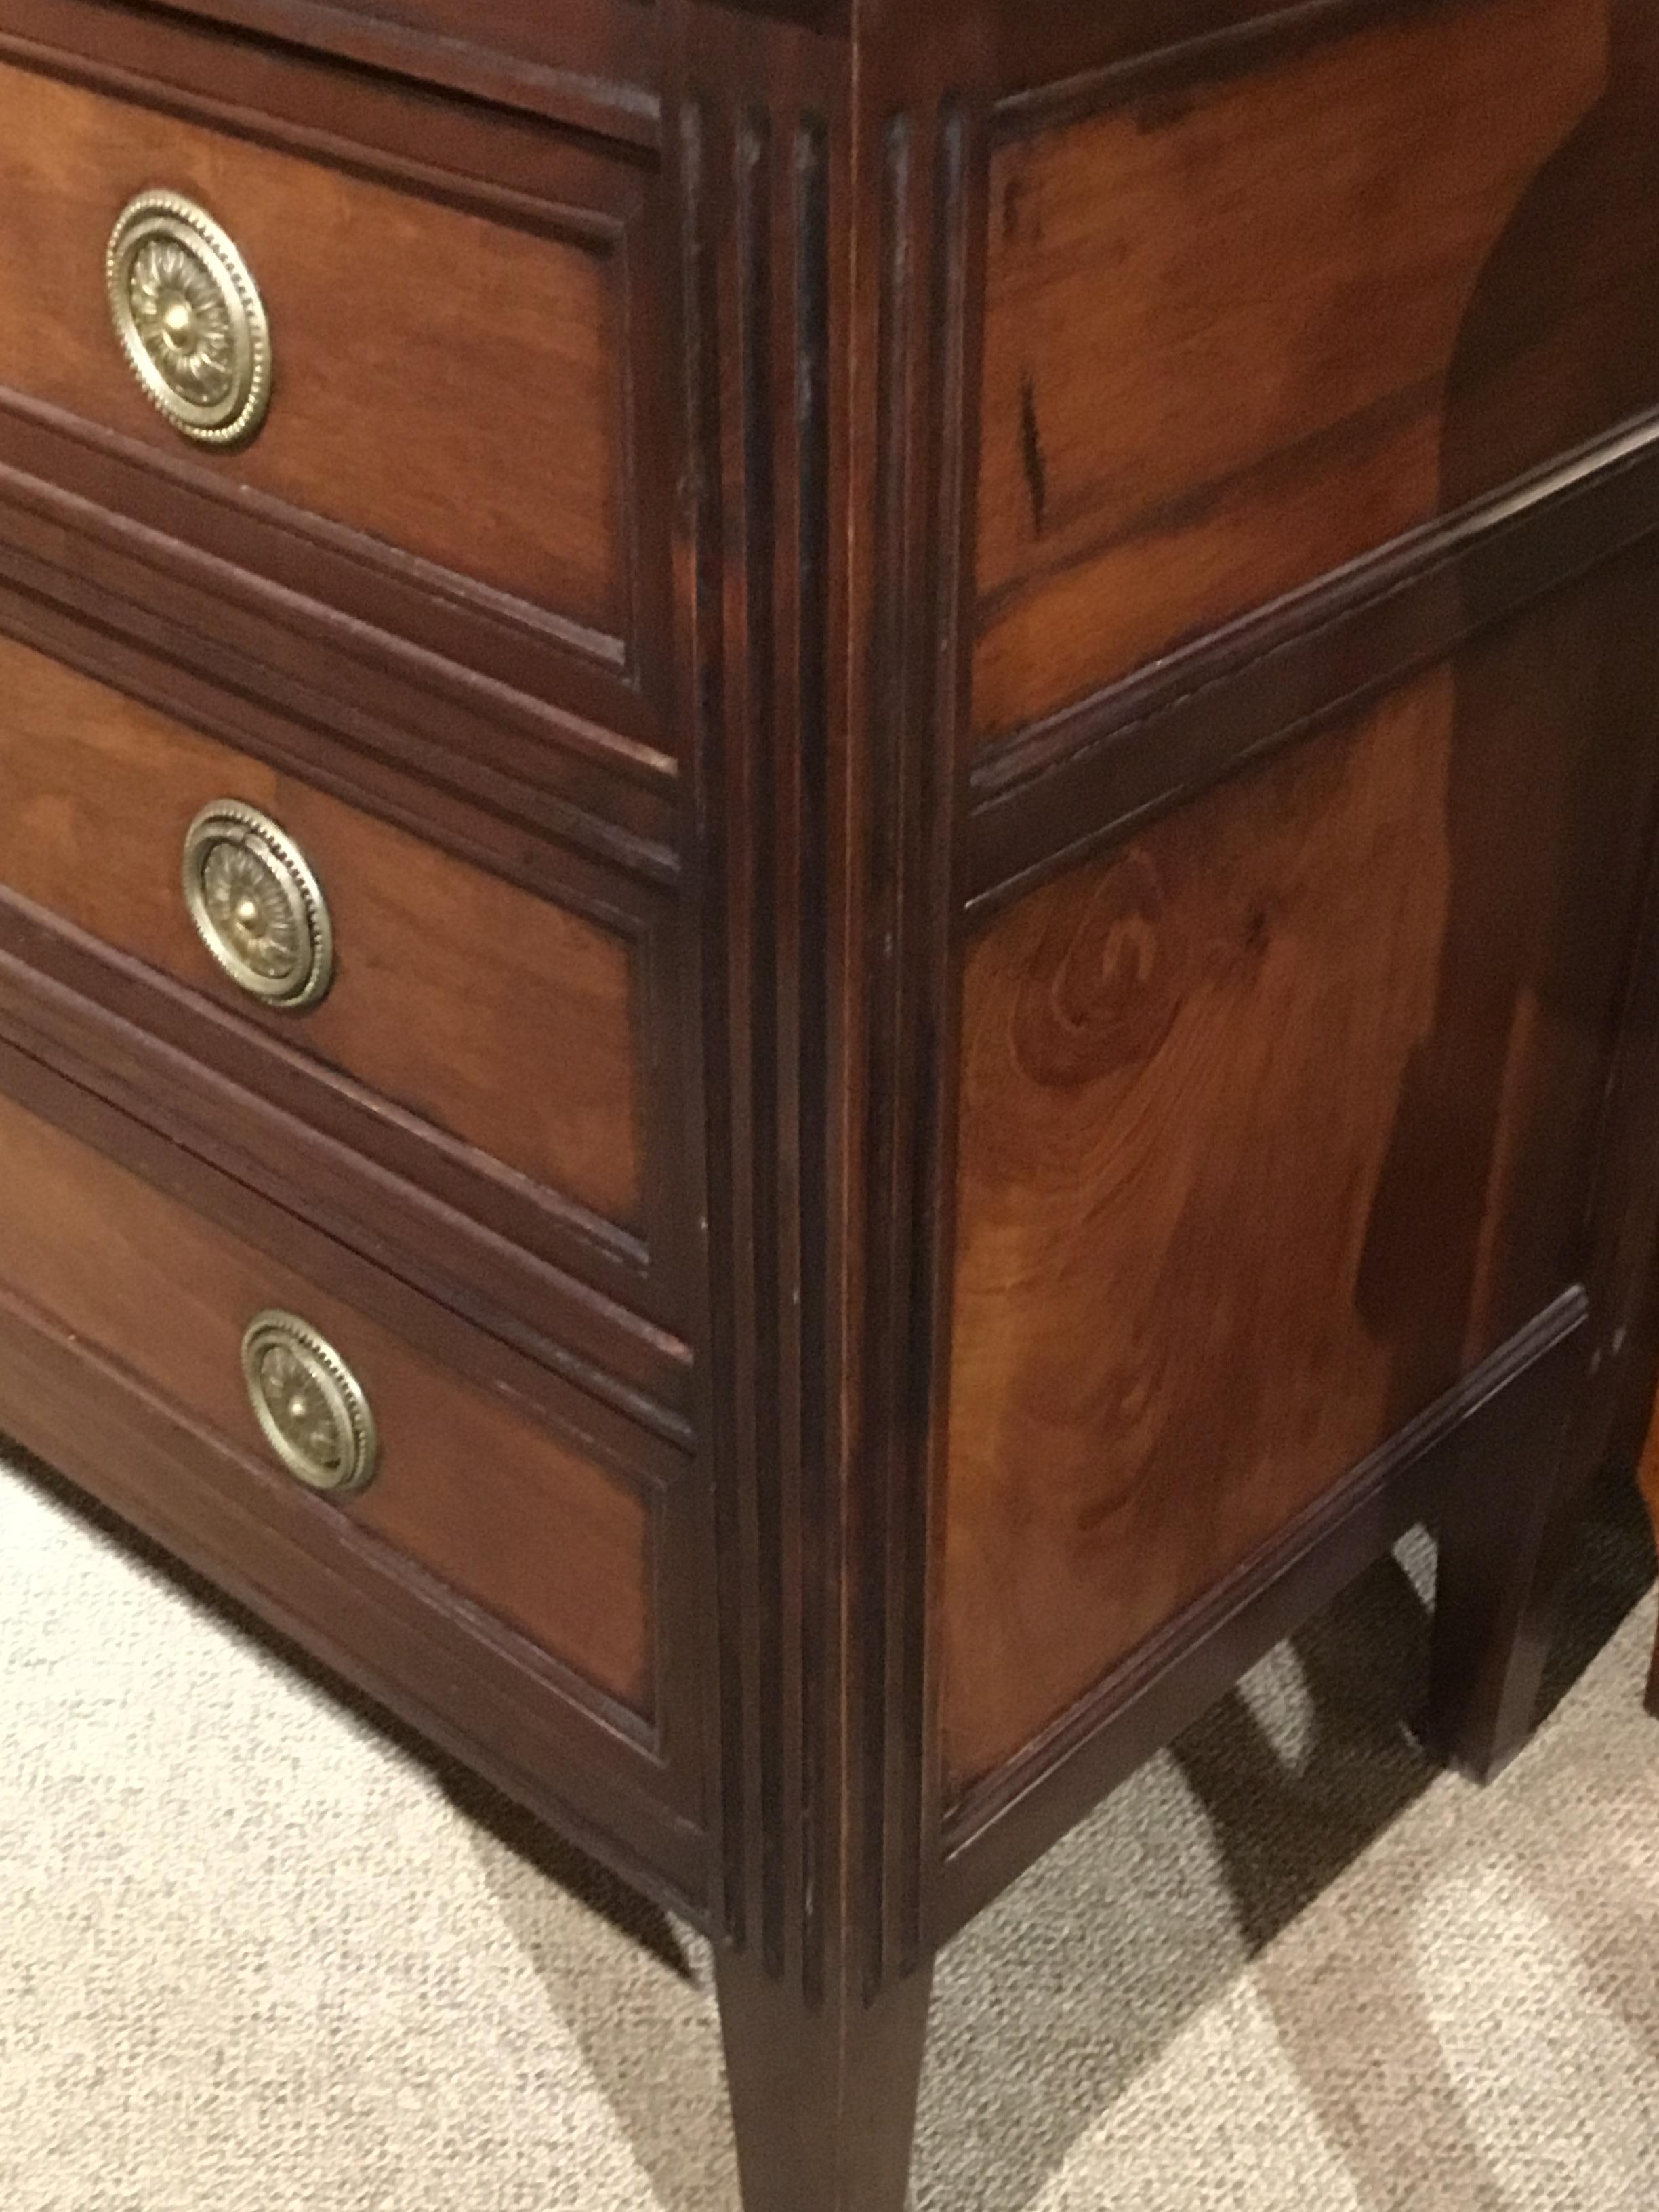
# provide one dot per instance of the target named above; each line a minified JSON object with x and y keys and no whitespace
{"x":311,"y":1406}
{"x":256,"y":905}
{"x":190,"y":318}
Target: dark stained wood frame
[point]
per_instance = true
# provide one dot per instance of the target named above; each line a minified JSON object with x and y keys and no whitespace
{"x":809,"y":250}
{"x":840,"y":1712}
{"x":593,"y":67}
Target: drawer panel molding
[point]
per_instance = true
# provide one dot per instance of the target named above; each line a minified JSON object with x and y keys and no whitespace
{"x":189,"y":632}
{"x":509,"y":1024}
{"x":556,"y":1547}
{"x":466,"y":353}
{"x":327,"y":1585}
{"x":490,"y":1090}
{"x":594,"y":66}
{"x":606,"y":1349}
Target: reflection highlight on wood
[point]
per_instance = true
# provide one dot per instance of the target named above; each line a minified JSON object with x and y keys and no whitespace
{"x":1221,"y":319}
{"x":1272,"y":1127}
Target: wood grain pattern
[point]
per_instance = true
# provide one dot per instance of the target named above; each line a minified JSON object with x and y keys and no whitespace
{"x":499,"y":1017}
{"x":1041,"y":1298}
{"x":494,"y":1506}
{"x":1274,"y":1123}
{"x":592,"y":63}
{"x":1266,"y":310}
{"x":1490,"y":1442}
{"x":445,"y":384}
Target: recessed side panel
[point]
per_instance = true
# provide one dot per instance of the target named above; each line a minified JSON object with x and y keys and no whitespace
{"x":1268,"y":300}
{"x":1276,"y":1121}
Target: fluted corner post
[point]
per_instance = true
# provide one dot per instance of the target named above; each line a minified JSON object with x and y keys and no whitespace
{"x":824,"y":258}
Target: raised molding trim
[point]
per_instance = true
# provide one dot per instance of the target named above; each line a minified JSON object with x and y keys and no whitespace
{"x":1008,"y":1820}
{"x":1054,"y":793}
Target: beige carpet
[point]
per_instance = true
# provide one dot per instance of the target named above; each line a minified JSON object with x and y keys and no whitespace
{"x":257,"y":1953}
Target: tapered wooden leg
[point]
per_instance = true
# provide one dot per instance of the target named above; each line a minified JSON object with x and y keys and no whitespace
{"x":823,"y":2096}
{"x":1653,"y":1682}
{"x":1506,"y":1531}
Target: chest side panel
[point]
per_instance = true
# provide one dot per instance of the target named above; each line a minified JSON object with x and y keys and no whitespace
{"x":1274,"y":1120}
{"x":1267,"y":301}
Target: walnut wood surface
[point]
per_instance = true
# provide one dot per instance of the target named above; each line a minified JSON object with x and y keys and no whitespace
{"x":1107,"y":1170}
{"x":448,"y":385}
{"x":492,"y":1505}
{"x":327,"y":1586}
{"x":592,"y":62}
{"x":499,"y":1016}
{"x":1272,"y":1123}
{"x":1276,"y":301}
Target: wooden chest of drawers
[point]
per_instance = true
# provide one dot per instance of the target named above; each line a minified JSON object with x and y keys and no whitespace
{"x":826,"y":910}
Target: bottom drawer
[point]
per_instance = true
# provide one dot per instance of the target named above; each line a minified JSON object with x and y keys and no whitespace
{"x":517,"y":1547}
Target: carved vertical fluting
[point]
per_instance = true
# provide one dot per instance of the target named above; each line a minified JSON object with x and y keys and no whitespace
{"x":763,"y":670}
{"x":913,"y":711}
{"x":825,"y":266}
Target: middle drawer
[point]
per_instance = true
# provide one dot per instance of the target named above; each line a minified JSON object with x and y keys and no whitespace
{"x":463,"y":1030}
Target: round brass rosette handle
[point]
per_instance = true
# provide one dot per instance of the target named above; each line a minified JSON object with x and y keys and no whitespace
{"x":309,"y":1404}
{"x":190,"y":318}
{"x":257,"y":906}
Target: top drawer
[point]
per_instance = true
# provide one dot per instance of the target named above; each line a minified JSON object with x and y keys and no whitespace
{"x":447,"y":449}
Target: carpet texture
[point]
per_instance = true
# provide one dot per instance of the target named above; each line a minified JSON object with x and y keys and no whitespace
{"x":259,"y":1950}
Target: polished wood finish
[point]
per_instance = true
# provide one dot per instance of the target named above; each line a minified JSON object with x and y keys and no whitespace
{"x":1481,"y":1445}
{"x":496,"y":1015}
{"x":515,"y":686}
{"x":793,"y":2082}
{"x":1272,"y":1124}
{"x":591,"y":64}
{"x":454,"y":1668}
{"x":1025,"y":696}
{"x":556,"y":1546}
{"x":1256,"y":311}
{"x":382,"y":305}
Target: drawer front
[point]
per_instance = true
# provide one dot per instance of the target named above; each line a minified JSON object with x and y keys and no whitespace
{"x":1274,"y":298}
{"x":443,"y":383}
{"x":470,"y":1488}
{"x":494,"y":1015}
{"x":450,"y":313}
